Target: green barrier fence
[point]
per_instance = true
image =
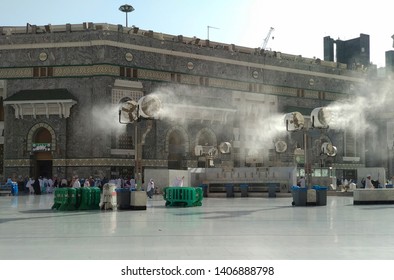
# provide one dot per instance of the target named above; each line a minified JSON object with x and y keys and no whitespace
{"x":70,"y":199}
{"x":183,"y":196}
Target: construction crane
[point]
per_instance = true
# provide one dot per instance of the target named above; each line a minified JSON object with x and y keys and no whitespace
{"x":267,"y":38}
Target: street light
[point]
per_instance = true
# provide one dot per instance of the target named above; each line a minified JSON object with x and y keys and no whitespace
{"x":126,"y":9}
{"x":211,"y":152}
{"x":148,"y":107}
{"x":130,"y":112}
{"x":320,"y":118}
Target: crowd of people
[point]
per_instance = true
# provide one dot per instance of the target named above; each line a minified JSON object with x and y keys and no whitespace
{"x":47,"y":185}
{"x":351,"y":184}
{"x":43,"y":184}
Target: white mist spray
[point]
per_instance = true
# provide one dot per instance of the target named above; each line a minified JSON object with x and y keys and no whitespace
{"x":260,"y":133}
{"x":357,"y":114}
{"x":107,"y":118}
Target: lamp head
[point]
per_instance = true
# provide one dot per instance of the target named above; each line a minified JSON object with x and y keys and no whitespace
{"x":128,"y":112}
{"x":294,"y":121}
{"x":149,"y":106}
{"x":321,"y":117}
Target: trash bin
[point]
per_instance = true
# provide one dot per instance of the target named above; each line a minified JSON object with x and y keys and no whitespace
{"x":271,"y":190}
{"x":321,"y":195}
{"x":123,"y":198}
{"x":204,"y":189}
{"x":299,"y":196}
{"x":229,"y":190}
{"x":244,"y":190}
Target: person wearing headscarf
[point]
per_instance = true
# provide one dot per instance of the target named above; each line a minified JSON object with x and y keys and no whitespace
{"x":36,"y":186}
{"x":368,"y":183}
{"x":151,"y":188}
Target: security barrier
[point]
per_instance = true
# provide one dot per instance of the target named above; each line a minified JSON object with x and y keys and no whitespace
{"x":86,"y":199}
{"x":60,"y":198}
{"x":73,"y":199}
{"x":96,"y":197}
{"x":183,"y":196}
{"x":69,"y":199}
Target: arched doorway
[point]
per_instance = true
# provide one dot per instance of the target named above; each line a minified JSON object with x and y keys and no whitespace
{"x":205,"y":137}
{"x":176,"y":149}
{"x":41,"y":153}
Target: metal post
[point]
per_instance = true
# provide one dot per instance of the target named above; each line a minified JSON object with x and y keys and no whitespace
{"x":136,"y":156}
{"x":306,"y":163}
{"x":208,"y":27}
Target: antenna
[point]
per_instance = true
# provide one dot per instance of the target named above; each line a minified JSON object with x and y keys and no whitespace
{"x":208,"y":27}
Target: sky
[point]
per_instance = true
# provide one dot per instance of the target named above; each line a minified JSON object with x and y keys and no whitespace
{"x":299,"y":26}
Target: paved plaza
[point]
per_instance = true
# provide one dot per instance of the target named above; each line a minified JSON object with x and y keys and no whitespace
{"x":240,"y":228}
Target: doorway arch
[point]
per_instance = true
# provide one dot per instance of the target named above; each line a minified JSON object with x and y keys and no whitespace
{"x":41,"y":141}
{"x":177,"y":143}
{"x":205,"y":137}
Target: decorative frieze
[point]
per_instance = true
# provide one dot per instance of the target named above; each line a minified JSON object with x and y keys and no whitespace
{"x":14,"y":73}
{"x":228,"y":84}
{"x":16,"y":162}
{"x":190,"y":80}
{"x":89,"y":162}
{"x":154,"y":75}
{"x":158,"y":75}
{"x":86,"y":70}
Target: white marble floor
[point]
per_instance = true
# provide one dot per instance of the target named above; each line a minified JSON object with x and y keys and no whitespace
{"x":241,"y":228}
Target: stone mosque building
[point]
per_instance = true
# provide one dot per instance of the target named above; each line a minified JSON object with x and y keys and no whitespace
{"x":61,"y":88}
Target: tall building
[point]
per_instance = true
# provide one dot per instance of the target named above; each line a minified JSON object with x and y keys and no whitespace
{"x":389,"y":61}
{"x":354,"y":52}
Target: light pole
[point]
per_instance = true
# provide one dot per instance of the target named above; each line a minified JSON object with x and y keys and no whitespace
{"x":320,"y":118}
{"x":126,"y":9}
{"x":211,"y":152}
{"x":147,"y":107}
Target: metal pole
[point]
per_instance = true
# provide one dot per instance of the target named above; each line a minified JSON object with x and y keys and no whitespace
{"x":306,"y":159}
{"x":136,"y":152}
